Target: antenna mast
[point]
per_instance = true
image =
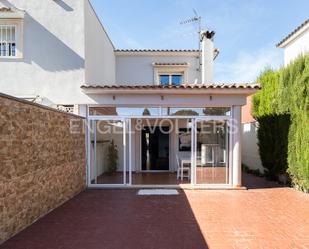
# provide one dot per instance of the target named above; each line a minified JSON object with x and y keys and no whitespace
{"x":196,"y":20}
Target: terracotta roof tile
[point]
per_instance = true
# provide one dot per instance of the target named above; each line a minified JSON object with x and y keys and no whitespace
{"x":293,"y":32}
{"x":170,"y":64}
{"x":182,"y":86}
{"x":156,"y":50}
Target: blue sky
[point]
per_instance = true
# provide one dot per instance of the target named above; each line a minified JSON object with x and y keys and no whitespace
{"x":246,"y":30}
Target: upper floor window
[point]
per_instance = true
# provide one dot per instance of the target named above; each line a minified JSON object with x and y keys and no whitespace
{"x":7,"y":40}
{"x":11,"y":32}
{"x":171,"y":79}
{"x":170,"y":73}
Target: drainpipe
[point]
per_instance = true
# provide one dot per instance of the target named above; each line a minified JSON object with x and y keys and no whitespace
{"x":207,"y":45}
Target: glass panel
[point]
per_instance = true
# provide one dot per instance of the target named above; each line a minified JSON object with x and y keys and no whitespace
{"x":155,"y":111}
{"x":217,"y":111}
{"x":8,"y":32}
{"x":13,"y":33}
{"x":156,"y":158}
{"x":124,"y":111}
{"x":7,"y":41}
{"x":164,"y":79}
{"x":196,"y":111}
{"x":13,"y":49}
{"x":4,"y":33}
{"x":176,"y":79}
{"x":2,"y":49}
{"x":212,"y":152}
{"x":106,"y":152}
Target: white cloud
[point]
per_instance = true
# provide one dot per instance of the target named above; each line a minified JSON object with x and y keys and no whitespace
{"x":247,"y":66}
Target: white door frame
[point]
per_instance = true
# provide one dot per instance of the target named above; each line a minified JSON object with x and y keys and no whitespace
{"x":126,"y":124}
{"x":194,"y":152}
{"x":127,"y":129}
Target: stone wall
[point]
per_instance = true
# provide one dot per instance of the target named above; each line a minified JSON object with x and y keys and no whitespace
{"x":42,"y":162}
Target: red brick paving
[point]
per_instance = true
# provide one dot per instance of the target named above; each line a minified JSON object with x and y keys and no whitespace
{"x":272,"y":217}
{"x":205,"y":175}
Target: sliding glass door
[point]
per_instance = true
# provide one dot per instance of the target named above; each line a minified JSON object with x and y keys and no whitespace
{"x":210,"y":152}
{"x":107,"y":150}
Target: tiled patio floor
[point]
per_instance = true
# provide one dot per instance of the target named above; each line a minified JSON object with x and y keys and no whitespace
{"x":271,"y":217}
{"x":209,"y":175}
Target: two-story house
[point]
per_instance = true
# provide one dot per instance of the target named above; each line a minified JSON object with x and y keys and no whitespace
{"x":155,"y":117}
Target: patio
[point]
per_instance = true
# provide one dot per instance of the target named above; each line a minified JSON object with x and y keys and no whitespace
{"x":216,"y":175}
{"x":265,"y":216}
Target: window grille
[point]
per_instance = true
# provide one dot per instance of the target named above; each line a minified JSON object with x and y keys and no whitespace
{"x":7,"y":41}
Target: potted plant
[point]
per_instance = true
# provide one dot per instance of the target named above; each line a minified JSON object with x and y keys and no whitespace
{"x":112,"y":158}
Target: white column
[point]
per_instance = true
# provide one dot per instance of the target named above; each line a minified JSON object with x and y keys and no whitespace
{"x":236,"y":146}
{"x":130,"y":151}
{"x":80,"y":110}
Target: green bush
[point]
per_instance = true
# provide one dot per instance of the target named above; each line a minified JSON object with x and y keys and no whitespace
{"x":282,"y":110}
{"x":273,"y":144}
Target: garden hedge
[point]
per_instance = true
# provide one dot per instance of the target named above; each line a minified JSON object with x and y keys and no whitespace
{"x":282,"y":110}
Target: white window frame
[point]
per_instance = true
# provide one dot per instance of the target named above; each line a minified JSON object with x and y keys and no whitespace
{"x":170,"y":70}
{"x":170,"y":77}
{"x":18,"y":24}
{"x":6,"y":40}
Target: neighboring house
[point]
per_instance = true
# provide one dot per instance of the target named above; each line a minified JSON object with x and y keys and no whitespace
{"x":155,"y":117}
{"x":295,"y":43}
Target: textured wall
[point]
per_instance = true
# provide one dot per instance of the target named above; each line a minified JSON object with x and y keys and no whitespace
{"x":42,"y":163}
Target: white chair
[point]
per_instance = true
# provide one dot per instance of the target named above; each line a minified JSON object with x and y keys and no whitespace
{"x":181,"y":169}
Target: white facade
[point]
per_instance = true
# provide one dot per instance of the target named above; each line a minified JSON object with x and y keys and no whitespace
{"x":296,"y":43}
{"x":64,"y":46}
{"x":143,"y":64}
{"x":99,"y":50}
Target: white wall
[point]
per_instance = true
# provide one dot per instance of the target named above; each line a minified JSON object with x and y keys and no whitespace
{"x":65,"y":47}
{"x":139,"y":69}
{"x":53,"y":57}
{"x":250,"y":151}
{"x":298,"y":46}
{"x":99,"y":50}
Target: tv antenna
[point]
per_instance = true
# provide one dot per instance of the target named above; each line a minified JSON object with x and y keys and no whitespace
{"x":196,"y":19}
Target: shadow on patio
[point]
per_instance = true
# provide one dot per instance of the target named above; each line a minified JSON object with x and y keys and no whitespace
{"x":255,"y":182}
{"x":115,"y":219}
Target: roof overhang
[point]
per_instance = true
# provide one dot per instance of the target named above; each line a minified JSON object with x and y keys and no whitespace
{"x":294,"y":34}
{"x":185,"y":89}
{"x":156,"y":52}
{"x":162,"y":52}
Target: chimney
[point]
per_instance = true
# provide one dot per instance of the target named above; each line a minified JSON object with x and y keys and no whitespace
{"x":207,"y":46}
